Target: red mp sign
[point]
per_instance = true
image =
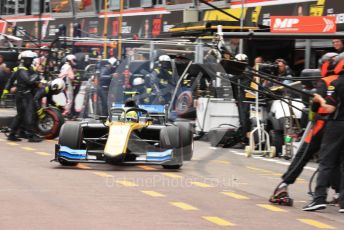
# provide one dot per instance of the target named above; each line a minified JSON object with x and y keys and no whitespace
{"x":3,"y":26}
{"x":303,"y":24}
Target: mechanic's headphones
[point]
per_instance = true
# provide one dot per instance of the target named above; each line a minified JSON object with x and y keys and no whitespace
{"x":339,"y":68}
{"x":327,"y":63}
{"x":280,"y":60}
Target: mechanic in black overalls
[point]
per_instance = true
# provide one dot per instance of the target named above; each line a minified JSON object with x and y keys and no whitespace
{"x":239,"y":94}
{"x":106,"y":74}
{"x":331,"y":152}
{"x":162,"y":81}
{"x":313,"y":140}
{"x":143,"y":91}
{"x":51,"y":88}
{"x":27,"y":81}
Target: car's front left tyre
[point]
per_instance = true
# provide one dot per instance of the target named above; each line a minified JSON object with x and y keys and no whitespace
{"x":70,"y":136}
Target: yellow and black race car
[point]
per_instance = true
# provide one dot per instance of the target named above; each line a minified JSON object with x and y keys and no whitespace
{"x":128,"y":136}
{"x":142,"y":125}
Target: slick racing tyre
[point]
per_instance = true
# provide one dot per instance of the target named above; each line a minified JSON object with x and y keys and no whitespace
{"x":50,"y":125}
{"x":186,"y":139}
{"x":70,"y":136}
{"x":169,"y":139}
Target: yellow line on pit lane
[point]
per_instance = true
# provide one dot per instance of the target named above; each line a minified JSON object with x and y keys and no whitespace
{"x":301,"y":181}
{"x":316,"y":224}
{"x":218,"y":221}
{"x":43,"y":153}
{"x":260,"y":170}
{"x":147,"y":168}
{"x":82,"y":166}
{"x":235,"y":195}
{"x":102,"y":174}
{"x":220,"y":162}
{"x":184,"y":206}
{"x":28,"y":148}
{"x":300,"y":201}
{"x":172,"y":175}
{"x":121,"y":182}
{"x":201,"y":184}
{"x":270,"y":174}
{"x":271,"y":208}
{"x":12,"y":143}
{"x":53,"y":141}
{"x":126,"y":183}
{"x":264,"y":172}
{"x":153,"y":194}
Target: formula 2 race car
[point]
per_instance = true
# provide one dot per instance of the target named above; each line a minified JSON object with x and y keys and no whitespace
{"x":142,"y":126}
{"x":129,"y":135}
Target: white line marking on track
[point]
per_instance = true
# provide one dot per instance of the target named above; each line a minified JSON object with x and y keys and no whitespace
{"x":213,"y":148}
{"x":310,"y":168}
{"x":238,"y":153}
{"x":271,"y":160}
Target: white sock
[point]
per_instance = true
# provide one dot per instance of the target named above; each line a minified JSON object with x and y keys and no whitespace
{"x":283,"y":185}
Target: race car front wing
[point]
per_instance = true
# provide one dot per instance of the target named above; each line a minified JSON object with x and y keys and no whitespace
{"x":85,"y":156}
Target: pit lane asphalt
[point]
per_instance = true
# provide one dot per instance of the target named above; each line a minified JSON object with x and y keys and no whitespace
{"x":220,"y":188}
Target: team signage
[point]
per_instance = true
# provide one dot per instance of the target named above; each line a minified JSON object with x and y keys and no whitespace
{"x":303,"y":24}
{"x":3,"y":25}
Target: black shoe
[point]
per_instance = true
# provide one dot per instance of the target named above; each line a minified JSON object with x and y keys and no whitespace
{"x":13,"y":137}
{"x":35,"y":139}
{"x":22,"y":135}
{"x":314,"y":206}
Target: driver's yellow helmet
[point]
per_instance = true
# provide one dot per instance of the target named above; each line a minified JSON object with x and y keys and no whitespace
{"x":131,"y":116}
